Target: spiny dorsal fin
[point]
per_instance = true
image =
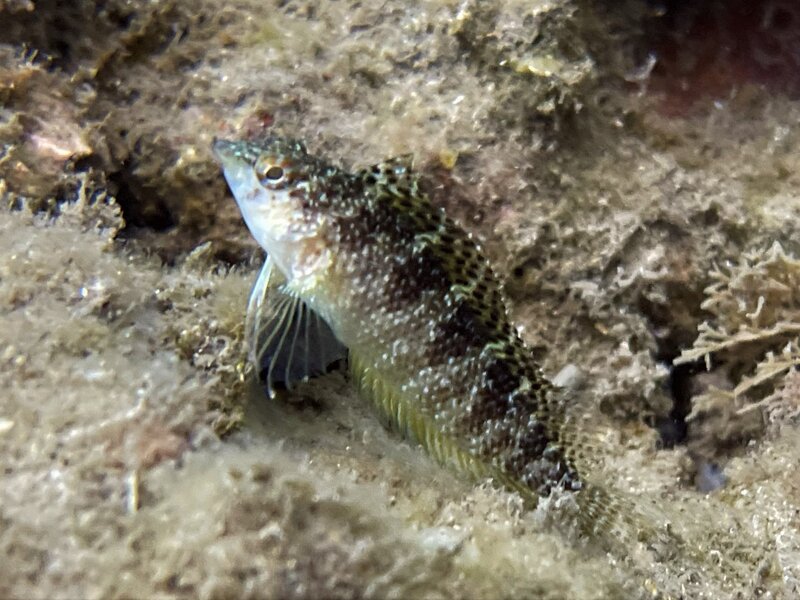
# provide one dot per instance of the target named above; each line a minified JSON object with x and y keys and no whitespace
{"x":462,"y":259}
{"x":399,"y":165}
{"x":394,"y":177}
{"x":288,"y":342}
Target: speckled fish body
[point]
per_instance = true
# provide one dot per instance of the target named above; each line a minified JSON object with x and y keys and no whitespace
{"x":413,"y":298}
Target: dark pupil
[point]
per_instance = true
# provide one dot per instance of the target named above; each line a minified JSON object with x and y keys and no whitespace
{"x":274,"y":173}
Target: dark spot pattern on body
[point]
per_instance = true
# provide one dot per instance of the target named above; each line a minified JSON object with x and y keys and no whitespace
{"x":457,"y":332}
{"x":421,"y":272}
{"x":428,"y":274}
{"x":416,"y":302}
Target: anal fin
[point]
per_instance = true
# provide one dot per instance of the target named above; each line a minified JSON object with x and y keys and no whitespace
{"x":288,"y":341}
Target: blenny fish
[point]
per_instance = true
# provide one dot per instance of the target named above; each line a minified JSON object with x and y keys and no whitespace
{"x":362,"y":265}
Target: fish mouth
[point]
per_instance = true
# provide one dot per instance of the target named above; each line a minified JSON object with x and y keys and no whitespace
{"x":237,"y":169}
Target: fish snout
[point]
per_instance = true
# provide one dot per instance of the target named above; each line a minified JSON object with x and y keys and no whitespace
{"x":223,"y":149}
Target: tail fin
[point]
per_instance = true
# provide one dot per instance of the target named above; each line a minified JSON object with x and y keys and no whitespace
{"x":620,"y":523}
{"x":611,"y":516}
{"x":690,"y":553}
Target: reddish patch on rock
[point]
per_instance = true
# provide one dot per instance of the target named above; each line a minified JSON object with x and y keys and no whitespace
{"x":156,"y":444}
{"x":257,"y":124}
{"x":707,"y":51}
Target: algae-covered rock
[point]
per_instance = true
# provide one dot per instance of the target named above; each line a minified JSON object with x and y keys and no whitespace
{"x":635,"y":186}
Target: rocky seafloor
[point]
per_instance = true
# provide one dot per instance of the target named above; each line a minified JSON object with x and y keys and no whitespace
{"x":632,"y":168}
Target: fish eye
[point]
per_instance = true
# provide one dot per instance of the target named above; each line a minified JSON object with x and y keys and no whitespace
{"x":274,"y":173}
{"x":268,"y":171}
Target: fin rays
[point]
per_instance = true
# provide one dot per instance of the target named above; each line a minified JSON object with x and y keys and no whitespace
{"x":284,"y":335}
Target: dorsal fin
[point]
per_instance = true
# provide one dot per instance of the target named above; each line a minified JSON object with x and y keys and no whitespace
{"x":395,"y":174}
{"x":473,"y":282}
{"x":399,"y":165}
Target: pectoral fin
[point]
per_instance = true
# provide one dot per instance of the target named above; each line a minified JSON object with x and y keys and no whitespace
{"x":288,"y":342}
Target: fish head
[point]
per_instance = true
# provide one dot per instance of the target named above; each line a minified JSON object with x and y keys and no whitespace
{"x":271,"y":179}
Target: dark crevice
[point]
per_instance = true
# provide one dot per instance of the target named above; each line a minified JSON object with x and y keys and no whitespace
{"x":708,"y":50}
{"x":152,"y":214}
{"x":57,"y":29}
{"x":674,"y":325}
{"x":673,"y":428}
